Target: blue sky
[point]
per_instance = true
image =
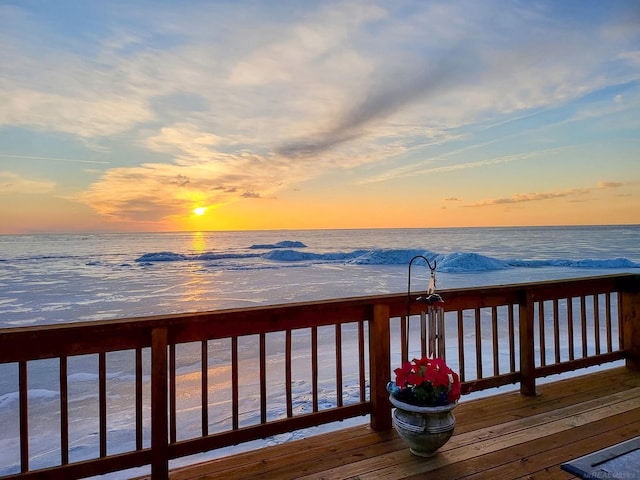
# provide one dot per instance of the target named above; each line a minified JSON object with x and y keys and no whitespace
{"x":129,"y":115}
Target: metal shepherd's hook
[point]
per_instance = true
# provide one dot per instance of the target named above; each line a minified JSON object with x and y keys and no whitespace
{"x":430,"y":291}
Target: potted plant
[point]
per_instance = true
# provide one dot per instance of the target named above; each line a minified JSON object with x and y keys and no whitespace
{"x":424,"y":393}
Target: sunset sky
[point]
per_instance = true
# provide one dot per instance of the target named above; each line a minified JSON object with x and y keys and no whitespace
{"x":129,"y":115}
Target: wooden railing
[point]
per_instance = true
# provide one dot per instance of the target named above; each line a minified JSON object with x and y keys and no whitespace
{"x":494,"y":336}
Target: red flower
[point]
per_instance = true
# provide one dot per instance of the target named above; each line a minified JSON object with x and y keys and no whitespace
{"x":402,"y":374}
{"x":416,"y":378}
{"x":427,"y":381}
{"x":455,"y":390}
{"x":440,"y":364}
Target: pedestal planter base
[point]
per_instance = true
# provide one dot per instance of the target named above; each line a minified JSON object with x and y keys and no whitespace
{"x":424,"y":429}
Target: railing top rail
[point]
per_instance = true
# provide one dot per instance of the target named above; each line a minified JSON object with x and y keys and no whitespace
{"x":46,"y":341}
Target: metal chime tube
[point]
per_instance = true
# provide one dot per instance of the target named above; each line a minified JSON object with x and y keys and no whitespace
{"x":433,"y":333}
{"x":431,"y":318}
{"x":439,"y":320}
{"x":423,"y":334}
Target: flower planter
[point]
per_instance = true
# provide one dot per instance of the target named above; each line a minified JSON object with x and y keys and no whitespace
{"x":424,"y":429}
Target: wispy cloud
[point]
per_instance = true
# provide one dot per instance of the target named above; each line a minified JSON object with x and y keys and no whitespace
{"x":417,"y":169}
{"x":412,"y":82}
{"x":13,"y":183}
{"x":536,"y":197}
{"x":52,"y":159}
{"x":610,"y":184}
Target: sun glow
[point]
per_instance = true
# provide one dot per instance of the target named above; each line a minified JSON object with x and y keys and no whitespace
{"x":199,"y":211}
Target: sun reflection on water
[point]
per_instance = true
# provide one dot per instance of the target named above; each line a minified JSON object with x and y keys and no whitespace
{"x":198,"y":242}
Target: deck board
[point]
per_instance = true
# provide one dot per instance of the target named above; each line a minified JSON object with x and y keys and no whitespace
{"x":506,"y":436}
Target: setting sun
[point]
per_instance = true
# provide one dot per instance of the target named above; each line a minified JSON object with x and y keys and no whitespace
{"x":199,"y":211}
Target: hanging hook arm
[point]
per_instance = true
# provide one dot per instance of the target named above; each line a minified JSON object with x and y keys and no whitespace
{"x":431,"y":286}
{"x":433,"y":269}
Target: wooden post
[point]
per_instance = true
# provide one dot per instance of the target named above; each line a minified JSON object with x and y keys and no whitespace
{"x":159,"y":420}
{"x":527,"y":361}
{"x":630,"y":309}
{"x":379,"y":367}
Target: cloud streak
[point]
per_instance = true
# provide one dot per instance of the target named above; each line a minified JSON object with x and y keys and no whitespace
{"x":52,"y":159}
{"x":536,"y":197}
{"x":11,"y":183}
{"x":404,"y":84}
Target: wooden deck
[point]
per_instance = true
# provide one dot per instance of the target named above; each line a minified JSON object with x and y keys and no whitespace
{"x":505,"y":436}
{"x":501,"y":335}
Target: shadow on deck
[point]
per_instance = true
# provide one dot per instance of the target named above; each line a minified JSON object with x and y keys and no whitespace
{"x":505,"y":436}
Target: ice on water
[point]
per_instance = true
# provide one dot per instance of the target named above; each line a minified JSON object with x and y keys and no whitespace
{"x":52,"y":279}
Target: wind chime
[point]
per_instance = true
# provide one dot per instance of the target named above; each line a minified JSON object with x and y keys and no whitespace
{"x":431,"y":316}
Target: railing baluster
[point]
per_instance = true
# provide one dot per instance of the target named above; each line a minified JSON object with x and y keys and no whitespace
{"x":596,"y":322}
{"x":512,"y":346}
{"x":583,"y":321}
{"x":102,"y":396}
{"x":24,"y":415}
{"x":64,"y":412}
{"x":338,"y":338}
{"x":494,"y":335}
{"x":461,"y":345}
{"x":478,"y":344}
{"x":138,"y":380}
{"x":556,"y":330}
{"x":235,"y":409}
{"x":288,"y":375}
{"x":172,"y":393}
{"x":361,"y":360}
{"x":314,"y":368}
{"x":621,"y":319}
{"x":542,"y":334}
{"x":263,"y":379}
{"x":570,"y":328}
{"x":607,"y":312}
{"x":204,"y":386}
